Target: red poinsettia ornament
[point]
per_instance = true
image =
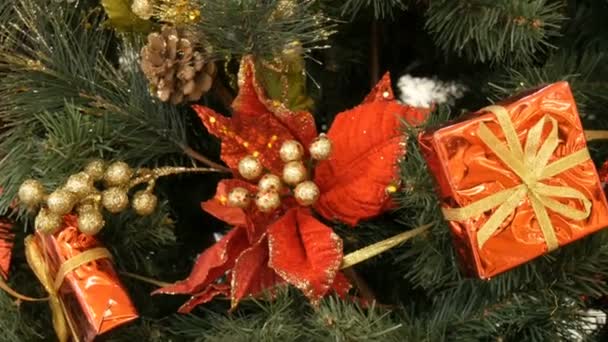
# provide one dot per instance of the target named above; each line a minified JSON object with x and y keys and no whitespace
{"x":272,"y":153}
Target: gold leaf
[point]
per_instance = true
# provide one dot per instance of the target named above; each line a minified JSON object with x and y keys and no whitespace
{"x":121,"y":18}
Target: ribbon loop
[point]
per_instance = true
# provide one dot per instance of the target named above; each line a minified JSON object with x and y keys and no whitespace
{"x":529,"y":163}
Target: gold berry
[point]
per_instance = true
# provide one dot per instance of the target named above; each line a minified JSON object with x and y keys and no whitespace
{"x":61,"y":201}
{"x":144,"y":202}
{"x":96,"y":169}
{"x":117,"y":174}
{"x":250,"y":168}
{"x":294,"y":173}
{"x":31,"y":192}
{"x":80,"y":184}
{"x":115,"y":200}
{"x":48,"y":222}
{"x":143,"y":8}
{"x":85,"y":207}
{"x":267,"y":201}
{"x":391,"y":189}
{"x":320,"y":148}
{"x":90,"y":222}
{"x":291,"y":150}
{"x":239,"y":198}
{"x":270,"y":182}
{"x":306,"y":193}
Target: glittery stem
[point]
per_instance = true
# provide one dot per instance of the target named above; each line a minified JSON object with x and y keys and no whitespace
{"x":4,"y":286}
{"x":201,"y":158}
{"x":371,"y":251}
{"x":596,"y":135}
{"x":145,"y":279}
{"x":364,"y":290}
{"x":150,"y":176}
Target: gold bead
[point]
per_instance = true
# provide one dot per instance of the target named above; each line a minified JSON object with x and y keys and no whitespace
{"x":31,"y":192}
{"x":115,"y":200}
{"x":391,"y":189}
{"x":267,"y":201}
{"x":294,"y":173}
{"x":306,"y":193}
{"x":95,"y":169}
{"x":291,"y":150}
{"x":144,"y":202}
{"x":239,"y":198}
{"x":250,"y":168}
{"x":80,"y":184}
{"x":61,"y":201}
{"x":270,"y":182}
{"x":90,"y":222}
{"x":143,"y":8}
{"x":117,"y":174}
{"x":84,"y":207}
{"x":48,"y":222}
{"x":320,"y":148}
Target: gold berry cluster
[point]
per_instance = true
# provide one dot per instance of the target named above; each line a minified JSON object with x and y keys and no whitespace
{"x":295,"y":176}
{"x":86,"y":193}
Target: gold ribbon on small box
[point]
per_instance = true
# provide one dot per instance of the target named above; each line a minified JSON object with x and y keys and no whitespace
{"x":530,"y":163}
{"x":64,"y":327}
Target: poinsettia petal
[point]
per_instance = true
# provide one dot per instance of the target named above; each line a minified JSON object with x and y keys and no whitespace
{"x":341,"y":285}
{"x":218,"y":205}
{"x":258,"y":126}
{"x":251,"y":274}
{"x":6,"y":246}
{"x":254,"y":220}
{"x":205,"y":296}
{"x":300,"y":124}
{"x":220,"y":126}
{"x":383,"y":92}
{"x":252,"y":99}
{"x":367,"y":144}
{"x":305,"y":252}
{"x":245,"y":135}
{"x":212,"y":263}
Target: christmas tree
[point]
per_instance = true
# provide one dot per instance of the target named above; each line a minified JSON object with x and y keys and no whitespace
{"x":303,"y":170}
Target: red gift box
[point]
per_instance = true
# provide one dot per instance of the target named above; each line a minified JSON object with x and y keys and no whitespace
{"x":6,"y":246}
{"x":515,"y":180}
{"x":92,"y":298}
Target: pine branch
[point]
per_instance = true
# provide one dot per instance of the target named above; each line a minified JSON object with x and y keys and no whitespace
{"x":261,"y":28}
{"x":290,"y":318}
{"x":587,"y":29}
{"x":142,"y":330}
{"x":586,"y":71}
{"x":63,"y":102}
{"x":337,"y":320}
{"x":381,"y":8}
{"x":15,"y":327}
{"x":503,"y":31}
{"x":276,"y":320}
{"x":140,"y":244}
{"x":6,"y":13}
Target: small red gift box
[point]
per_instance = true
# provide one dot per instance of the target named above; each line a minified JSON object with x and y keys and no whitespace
{"x":515,"y":180}
{"x":93,"y":299}
{"x":6,"y":246}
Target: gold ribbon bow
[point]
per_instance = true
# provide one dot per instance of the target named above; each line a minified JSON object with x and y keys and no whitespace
{"x":530,"y":164}
{"x":64,"y":327}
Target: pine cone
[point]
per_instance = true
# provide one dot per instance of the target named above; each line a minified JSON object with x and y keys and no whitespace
{"x":175,"y":70}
